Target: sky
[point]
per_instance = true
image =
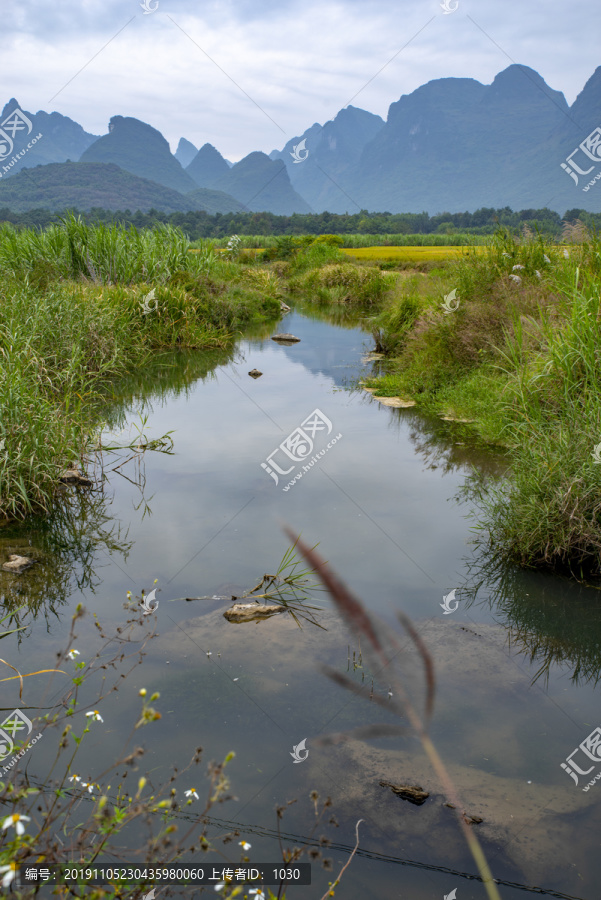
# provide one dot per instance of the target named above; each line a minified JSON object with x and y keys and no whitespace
{"x":249,"y":75}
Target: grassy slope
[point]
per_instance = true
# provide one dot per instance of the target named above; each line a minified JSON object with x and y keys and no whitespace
{"x":523,"y":359}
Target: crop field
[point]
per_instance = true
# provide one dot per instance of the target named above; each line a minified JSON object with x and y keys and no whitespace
{"x":406,"y":254}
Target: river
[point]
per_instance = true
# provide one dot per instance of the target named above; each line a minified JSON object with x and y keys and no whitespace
{"x":516,"y":660}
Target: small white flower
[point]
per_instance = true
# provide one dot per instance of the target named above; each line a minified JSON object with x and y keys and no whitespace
{"x":546,"y":258}
{"x":88,"y":785}
{"x":220,"y":886}
{"x":74,"y":778}
{"x":192,"y":793}
{"x":517,"y":267}
{"x":72,"y":654}
{"x":257,"y":893}
{"x":245,"y":845}
{"x":96,"y":717}
{"x":8,"y":872}
{"x":506,"y":254}
{"x":516,"y":278}
{"x":209,"y":652}
{"x":15,"y":821}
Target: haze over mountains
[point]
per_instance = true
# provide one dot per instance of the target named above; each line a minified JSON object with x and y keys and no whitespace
{"x":453,"y":145}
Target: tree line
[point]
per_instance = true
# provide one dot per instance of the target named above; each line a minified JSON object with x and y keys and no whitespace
{"x":199,"y":225}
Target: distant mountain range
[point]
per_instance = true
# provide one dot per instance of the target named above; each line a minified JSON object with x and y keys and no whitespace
{"x":452,"y":145}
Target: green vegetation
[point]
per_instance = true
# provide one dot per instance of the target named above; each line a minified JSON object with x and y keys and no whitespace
{"x":519,"y":357}
{"x":380,"y":228}
{"x":81,"y":307}
{"x":29,"y":196}
{"x":515,"y":352}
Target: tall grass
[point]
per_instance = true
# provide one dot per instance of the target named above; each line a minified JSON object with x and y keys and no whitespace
{"x":81,"y":306}
{"x":548,"y":514}
{"x":107,"y":254}
{"x":521,"y":355}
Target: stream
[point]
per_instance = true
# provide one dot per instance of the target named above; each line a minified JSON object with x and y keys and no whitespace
{"x":384,"y":493}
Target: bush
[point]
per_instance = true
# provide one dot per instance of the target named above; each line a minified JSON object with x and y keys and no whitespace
{"x":344,"y":283}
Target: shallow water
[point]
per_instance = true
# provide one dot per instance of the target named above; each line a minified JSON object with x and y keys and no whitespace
{"x":382,"y":503}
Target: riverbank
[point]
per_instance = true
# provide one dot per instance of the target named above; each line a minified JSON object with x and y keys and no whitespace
{"x":80,"y":308}
{"x":507,"y":341}
{"x":501,"y":341}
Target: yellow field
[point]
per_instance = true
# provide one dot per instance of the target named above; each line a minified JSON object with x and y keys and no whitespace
{"x":406,"y":254}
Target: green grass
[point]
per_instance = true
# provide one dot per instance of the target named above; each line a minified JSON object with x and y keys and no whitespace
{"x":82,"y":307}
{"x":523,"y":359}
{"x":73,"y":321}
{"x":262,"y":241}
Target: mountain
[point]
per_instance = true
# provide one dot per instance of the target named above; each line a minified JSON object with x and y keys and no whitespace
{"x":185,"y":153}
{"x":207,"y":167}
{"x":327,"y":152}
{"x":214,"y":201}
{"x":82,"y":186}
{"x":57,"y":138}
{"x":455,"y":144}
{"x":142,"y":150}
{"x":452,"y":144}
{"x":262,"y":184}
{"x":542,"y":175}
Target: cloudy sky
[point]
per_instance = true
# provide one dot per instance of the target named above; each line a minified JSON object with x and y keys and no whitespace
{"x":251,"y":74}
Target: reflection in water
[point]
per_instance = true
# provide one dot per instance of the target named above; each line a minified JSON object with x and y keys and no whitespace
{"x":449,"y":446}
{"x":552,"y":621}
{"x":355,"y":316}
{"x":66,"y":546}
{"x":82,"y":528}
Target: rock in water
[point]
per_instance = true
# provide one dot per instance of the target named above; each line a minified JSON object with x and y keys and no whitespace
{"x":17,"y":564}
{"x":74,"y":476}
{"x":254,"y":373}
{"x":247,"y":612}
{"x":285,"y":339}
{"x":414,"y":793}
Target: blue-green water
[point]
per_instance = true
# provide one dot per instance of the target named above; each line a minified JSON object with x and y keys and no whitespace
{"x":381,"y":502}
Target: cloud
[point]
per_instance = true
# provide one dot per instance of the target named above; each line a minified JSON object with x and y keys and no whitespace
{"x":246,"y":76}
